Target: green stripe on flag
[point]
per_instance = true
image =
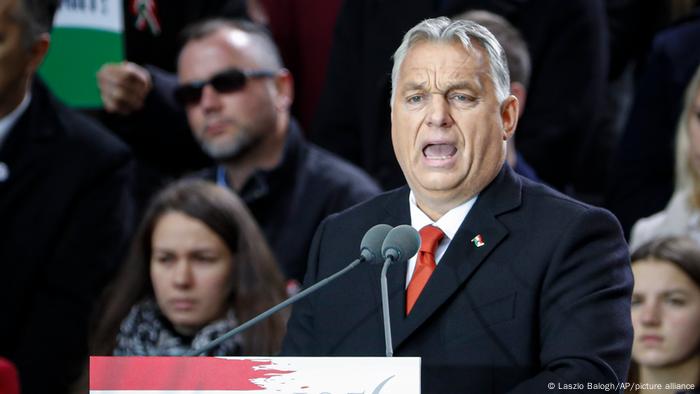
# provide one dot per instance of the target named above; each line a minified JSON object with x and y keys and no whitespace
{"x":74,"y":57}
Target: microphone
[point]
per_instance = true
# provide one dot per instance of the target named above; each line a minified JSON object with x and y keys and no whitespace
{"x":371,"y":244}
{"x":400,"y":244}
{"x":370,"y":249}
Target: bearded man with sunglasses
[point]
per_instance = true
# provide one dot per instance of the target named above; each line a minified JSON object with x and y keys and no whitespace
{"x":237,"y":97}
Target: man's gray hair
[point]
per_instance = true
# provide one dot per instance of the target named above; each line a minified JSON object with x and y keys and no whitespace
{"x":444,"y":30}
{"x":513,"y":43}
{"x":265,"y":48}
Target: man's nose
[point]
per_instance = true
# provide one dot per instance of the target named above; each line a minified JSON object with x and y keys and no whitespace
{"x":211,"y":99}
{"x":439,"y":115}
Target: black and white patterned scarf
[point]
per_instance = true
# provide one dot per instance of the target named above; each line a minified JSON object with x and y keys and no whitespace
{"x":145,"y":333}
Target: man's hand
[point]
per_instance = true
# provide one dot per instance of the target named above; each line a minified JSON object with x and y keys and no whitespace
{"x":123,"y":87}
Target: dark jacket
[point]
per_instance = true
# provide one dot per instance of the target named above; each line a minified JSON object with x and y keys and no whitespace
{"x":523,"y":310}
{"x":290,"y":201}
{"x":65,"y":219}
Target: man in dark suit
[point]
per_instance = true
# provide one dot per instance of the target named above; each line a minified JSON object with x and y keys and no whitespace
{"x":531,"y":292}
{"x":65,"y":210}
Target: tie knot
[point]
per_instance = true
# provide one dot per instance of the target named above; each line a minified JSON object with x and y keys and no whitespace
{"x":430,"y":236}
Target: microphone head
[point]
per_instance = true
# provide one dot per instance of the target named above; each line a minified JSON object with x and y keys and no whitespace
{"x":371,"y":245}
{"x":401,"y":243}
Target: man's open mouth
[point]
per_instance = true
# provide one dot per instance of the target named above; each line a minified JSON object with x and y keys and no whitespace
{"x":439,"y":151}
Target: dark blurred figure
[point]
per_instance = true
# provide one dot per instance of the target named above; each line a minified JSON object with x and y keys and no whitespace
{"x":303,"y":31}
{"x":65,"y":208}
{"x":237,"y":103}
{"x":642,"y":179}
{"x":568,"y":46}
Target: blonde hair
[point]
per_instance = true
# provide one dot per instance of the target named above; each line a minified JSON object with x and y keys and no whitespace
{"x":687,"y":176}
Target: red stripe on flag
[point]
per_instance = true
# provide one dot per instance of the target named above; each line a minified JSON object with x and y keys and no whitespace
{"x":177,"y":373}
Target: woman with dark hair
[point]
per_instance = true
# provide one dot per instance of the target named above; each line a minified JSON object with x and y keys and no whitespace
{"x":198,"y":267}
{"x":666,"y":317}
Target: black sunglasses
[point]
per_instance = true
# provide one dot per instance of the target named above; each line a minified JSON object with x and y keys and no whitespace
{"x":227,"y":81}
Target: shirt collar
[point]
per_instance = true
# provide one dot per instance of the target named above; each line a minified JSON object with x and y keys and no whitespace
{"x":449,"y":223}
{"x":262,"y":182}
{"x":10,"y":119}
{"x":256,"y":187}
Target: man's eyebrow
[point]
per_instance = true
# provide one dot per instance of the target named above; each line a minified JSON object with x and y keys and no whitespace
{"x":450,"y":86}
{"x":461,"y":85}
{"x":409,"y":86}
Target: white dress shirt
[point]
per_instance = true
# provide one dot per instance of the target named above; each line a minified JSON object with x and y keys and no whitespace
{"x":10,"y":119}
{"x":449,"y":224}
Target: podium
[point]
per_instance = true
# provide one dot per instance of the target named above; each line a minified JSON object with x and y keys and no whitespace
{"x":254,"y":375}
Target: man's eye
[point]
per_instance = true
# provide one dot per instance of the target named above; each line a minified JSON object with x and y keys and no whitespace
{"x":415,"y":99}
{"x":462,"y":98}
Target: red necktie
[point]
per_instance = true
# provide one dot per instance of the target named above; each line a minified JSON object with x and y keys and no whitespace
{"x":430,"y":236}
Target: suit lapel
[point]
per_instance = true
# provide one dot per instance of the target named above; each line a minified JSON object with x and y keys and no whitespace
{"x":463,"y":256}
{"x":26,"y":148}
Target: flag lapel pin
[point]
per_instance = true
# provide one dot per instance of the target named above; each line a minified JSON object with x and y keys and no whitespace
{"x":478,"y":241}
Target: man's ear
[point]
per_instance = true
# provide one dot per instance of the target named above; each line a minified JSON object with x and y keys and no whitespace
{"x":284,"y":85}
{"x":38,"y":51}
{"x":509,"y":116}
{"x":518,"y":90}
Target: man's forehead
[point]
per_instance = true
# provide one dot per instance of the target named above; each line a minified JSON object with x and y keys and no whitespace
{"x":213,"y":47}
{"x":447,"y":59}
{"x":222,"y":40}
{"x":236,"y":45}
{"x":444,"y":64}
{"x":237,"y":38}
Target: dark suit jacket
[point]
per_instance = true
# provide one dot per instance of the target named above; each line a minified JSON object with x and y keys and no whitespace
{"x":65,"y":218}
{"x":546,"y":299}
{"x":289,"y":201}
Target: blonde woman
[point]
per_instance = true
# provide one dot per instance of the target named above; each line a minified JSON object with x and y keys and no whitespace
{"x":682,"y":215}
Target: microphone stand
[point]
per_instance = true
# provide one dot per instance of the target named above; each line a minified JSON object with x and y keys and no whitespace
{"x":274,"y":309}
{"x":385,"y":308}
